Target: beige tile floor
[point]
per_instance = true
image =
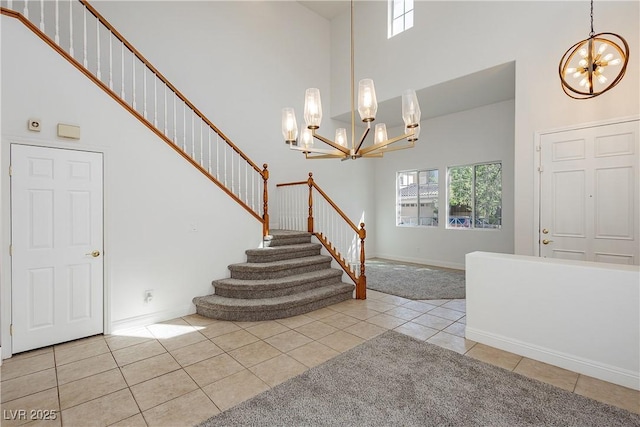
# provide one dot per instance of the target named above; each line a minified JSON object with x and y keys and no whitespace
{"x":181,"y":372}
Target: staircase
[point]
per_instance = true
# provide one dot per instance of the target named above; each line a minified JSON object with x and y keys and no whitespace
{"x":286,"y":278}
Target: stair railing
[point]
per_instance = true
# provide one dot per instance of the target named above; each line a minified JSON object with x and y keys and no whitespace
{"x":299,"y":210}
{"x":84,"y":38}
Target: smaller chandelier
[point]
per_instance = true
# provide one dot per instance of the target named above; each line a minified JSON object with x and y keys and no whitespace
{"x":367,"y":108}
{"x":587,"y":68}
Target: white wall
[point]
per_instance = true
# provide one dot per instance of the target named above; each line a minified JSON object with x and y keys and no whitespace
{"x":483,"y":134}
{"x":152,"y":196}
{"x":452,"y":39}
{"x":581,"y":316}
{"x":240,"y":63}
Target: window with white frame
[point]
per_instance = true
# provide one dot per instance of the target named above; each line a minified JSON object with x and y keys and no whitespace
{"x":400,"y":16}
{"x":475,"y":196}
{"x":417,"y":198}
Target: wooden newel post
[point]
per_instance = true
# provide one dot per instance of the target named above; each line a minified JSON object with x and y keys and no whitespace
{"x":265,"y":199}
{"x":361,"y":286}
{"x":310,"y":219}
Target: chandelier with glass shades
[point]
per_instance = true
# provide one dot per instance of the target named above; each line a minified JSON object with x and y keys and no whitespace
{"x":583,"y":67}
{"x":367,"y":108}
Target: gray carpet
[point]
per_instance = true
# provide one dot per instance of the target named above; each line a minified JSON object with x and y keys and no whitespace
{"x":394,"y":380}
{"x":414,"y":281}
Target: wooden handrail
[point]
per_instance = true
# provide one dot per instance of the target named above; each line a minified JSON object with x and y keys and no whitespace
{"x":263,"y":172}
{"x":148,"y":64}
{"x":361,"y":279}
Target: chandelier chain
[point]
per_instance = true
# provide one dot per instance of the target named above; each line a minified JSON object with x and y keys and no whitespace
{"x":592,"y":33}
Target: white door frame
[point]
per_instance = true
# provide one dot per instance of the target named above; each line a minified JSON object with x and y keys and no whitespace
{"x":538,"y":163}
{"x":5,"y":238}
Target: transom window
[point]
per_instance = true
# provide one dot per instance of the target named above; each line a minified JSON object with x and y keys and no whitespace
{"x":475,"y":196}
{"x":400,"y":17}
{"x":417,"y":198}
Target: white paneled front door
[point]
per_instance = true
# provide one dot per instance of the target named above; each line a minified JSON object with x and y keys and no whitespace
{"x":589,"y":194}
{"x":57,"y":261}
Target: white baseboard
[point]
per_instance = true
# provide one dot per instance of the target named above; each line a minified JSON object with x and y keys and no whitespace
{"x":149,"y":319}
{"x":432,"y":262}
{"x":573,"y":363}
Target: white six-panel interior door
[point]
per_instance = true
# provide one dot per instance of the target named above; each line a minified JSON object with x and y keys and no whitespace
{"x":57,"y":245}
{"x":589,"y":194}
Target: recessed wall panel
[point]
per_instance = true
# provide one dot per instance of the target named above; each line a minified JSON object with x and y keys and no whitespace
{"x":79,"y":291}
{"x":572,"y":255}
{"x":614,"y":145}
{"x":569,"y":203}
{"x":40,"y":219}
{"x":80,"y":171}
{"x":40,"y":168}
{"x":614,"y":258}
{"x":80,"y":218}
{"x":568,"y":150}
{"x":40,"y":298}
{"x":614,"y":203}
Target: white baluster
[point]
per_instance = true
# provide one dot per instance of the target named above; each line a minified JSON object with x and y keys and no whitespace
{"x":193,"y":136}
{"x":144,"y":91}
{"x":217,"y":155}
{"x":184,"y":127}
{"x":57,"y":36}
{"x":41,"y":14}
{"x":232,"y":172}
{"x":98,"y":71}
{"x":165,"y":109}
{"x":71,"y":27}
{"x":25,"y":11}
{"x":122,"y":71}
{"x":110,"y":60}
{"x":201,"y":162}
{"x":133,"y":81}
{"x":155,"y":100}
{"x":209,"y":149}
{"x":175,"y":125}
{"x":224,"y":151}
{"x":84,"y":38}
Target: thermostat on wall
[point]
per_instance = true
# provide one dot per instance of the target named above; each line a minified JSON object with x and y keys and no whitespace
{"x":68,"y":131}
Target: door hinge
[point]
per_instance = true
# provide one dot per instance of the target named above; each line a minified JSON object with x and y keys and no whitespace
{"x":540,"y":169}
{"x":11,"y":329}
{"x":10,"y":170}
{"x":10,"y":250}
{"x":538,"y":148}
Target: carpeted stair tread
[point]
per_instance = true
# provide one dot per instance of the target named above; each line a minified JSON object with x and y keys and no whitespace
{"x":274,"y":284}
{"x":287,"y":277}
{"x":218,"y":307}
{"x":286,"y":237}
{"x":277,"y":253}
{"x":277,"y":269}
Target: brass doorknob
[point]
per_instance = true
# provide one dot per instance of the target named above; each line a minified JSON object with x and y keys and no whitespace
{"x":546,"y":241}
{"x":94,"y":254}
{"x":545,"y":231}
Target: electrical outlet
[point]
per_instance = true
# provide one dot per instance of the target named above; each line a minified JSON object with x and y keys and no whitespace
{"x":148,"y":296}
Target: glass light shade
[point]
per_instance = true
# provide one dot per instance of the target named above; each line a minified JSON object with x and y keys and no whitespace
{"x":380,"y":133}
{"x":289,"y":125}
{"x":312,"y":108}
{"x":410,"y":108}
{"x":341,"y":137}
{"x":415,"y":131}
{"x":306,"y":138}
{"x":367,"y":102}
